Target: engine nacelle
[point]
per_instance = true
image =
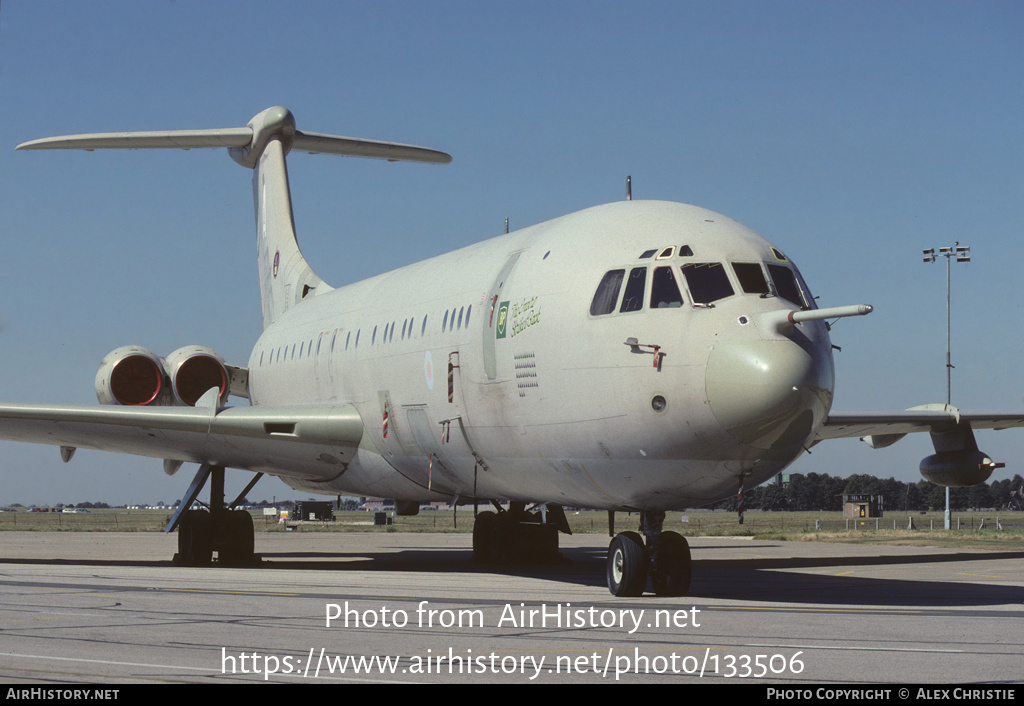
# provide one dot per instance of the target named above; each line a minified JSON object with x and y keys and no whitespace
{"x":132,"y":375}
{"x":193,"y":370}
{"x":958,"y":469}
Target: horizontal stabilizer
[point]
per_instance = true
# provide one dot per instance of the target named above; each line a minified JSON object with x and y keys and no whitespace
{"x":171,"y":139}
{"x":315,"y":143}
{"x":246,"y":143}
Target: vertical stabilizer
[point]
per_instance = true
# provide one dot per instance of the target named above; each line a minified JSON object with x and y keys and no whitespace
{"x":285,"y":276}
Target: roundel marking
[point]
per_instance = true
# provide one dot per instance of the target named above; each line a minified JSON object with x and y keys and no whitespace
{"x":428,"y":370}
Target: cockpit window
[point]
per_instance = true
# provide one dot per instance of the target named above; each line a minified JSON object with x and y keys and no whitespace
{"x":664,"y":290}
{"x":808,"y":297}
{"x":633,"y":299}
{"x":707,"y":281}
{"x":785,"y":284}
{"x":751,"y":277}
{"x":607,"y":293}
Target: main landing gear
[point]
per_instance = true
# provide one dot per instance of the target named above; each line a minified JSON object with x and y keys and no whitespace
{"x":666,"y":557}
{"x":224,"y":530}
{"x":518,"y":536}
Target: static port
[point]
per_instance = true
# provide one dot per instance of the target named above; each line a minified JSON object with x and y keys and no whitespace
{"x":658,"y":403}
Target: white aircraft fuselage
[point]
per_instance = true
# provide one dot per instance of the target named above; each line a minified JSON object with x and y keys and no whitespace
{"x":498,"y":380}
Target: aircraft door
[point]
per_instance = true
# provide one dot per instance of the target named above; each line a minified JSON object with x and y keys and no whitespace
{"x":497,"y":317}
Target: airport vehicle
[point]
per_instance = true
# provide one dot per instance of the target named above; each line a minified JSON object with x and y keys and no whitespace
{"x":639,"y":356}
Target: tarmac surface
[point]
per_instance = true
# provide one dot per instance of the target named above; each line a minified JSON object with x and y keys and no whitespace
{"x":108,"y":608}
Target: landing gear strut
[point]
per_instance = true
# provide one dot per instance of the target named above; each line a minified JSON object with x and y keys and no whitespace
{"x":666,"y":558}
{"x":515,"y":535}
{"x":222,"y":529}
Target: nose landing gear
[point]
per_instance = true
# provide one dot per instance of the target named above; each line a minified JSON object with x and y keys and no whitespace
{"x":666,"y":558}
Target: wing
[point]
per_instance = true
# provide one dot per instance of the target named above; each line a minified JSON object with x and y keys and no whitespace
{"x":308,"y":442}
{"x":883,"y":428}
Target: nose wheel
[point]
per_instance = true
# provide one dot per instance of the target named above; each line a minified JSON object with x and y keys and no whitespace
{"x":627,"y":565}
{"x":665,"y":558}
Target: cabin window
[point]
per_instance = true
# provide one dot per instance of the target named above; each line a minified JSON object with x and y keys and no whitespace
{"x":751,"y":277}
{"x":707,"y":282}
{"x":469,"y":310}
{"x":664,"y":290}
{"x":461,"y":312}
{"x":785,"y":284}
{"x":423,"y":329}
{"x":444,"y":323}
{"x":347,"y":337}
{"x":633,"y":299}
{"x":607,"y":293}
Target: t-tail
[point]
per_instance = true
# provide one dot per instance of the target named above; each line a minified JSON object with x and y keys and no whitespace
{"x":262,"y":145}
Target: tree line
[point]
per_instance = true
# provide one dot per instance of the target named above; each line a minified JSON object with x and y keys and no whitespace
{"x":822,"y":492}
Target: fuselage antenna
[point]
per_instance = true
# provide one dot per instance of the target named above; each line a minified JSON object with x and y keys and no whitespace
{"x":629,"y":188}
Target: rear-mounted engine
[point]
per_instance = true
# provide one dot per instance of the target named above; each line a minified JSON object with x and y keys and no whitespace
{"x":132,"y":375}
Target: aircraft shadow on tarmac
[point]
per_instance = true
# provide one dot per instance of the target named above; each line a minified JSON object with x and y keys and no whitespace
{"x":804,"y":580}
{"x":786,"y":580}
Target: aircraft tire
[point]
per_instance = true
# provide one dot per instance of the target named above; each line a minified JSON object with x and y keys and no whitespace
{"x":239,"y":539}
{"x":627,"y":565}
{"x":671,"y":566}
{"x":485,"y":537}
{"x":195,"y":532}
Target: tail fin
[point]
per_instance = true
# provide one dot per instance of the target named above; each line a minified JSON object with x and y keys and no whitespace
{"x":262,"y":145}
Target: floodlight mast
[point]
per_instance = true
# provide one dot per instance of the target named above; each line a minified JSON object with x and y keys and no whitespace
{"x":962,"y":254}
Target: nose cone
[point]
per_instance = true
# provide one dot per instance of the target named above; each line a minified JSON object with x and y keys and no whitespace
{"x":769,"y":394}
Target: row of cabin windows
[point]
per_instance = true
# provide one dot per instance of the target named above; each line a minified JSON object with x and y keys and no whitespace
{"x":456,"y":319}
{"x":707,"y":283}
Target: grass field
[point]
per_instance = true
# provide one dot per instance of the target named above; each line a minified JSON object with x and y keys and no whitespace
{"x":975,"y":529}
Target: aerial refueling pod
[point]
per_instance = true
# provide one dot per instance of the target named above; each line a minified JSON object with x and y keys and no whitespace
{"x":133,"y":375}
{"x":958,"y":469}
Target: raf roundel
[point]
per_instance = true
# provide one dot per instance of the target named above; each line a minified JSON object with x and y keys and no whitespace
{"x":428,"y":370}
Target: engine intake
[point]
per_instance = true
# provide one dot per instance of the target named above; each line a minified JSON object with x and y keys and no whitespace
{"x":194,"y":370}
{"x":131,"y":375}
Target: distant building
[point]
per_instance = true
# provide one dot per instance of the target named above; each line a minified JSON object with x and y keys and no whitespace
{"x":860,"y":506}
{"x":313,"y":510}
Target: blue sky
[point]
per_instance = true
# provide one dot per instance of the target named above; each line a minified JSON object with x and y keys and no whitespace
{"x":851,"y":135}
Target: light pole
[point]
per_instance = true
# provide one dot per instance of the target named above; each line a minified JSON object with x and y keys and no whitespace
{"x":962,"y":253}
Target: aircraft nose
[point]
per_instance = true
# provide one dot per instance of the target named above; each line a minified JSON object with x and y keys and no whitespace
{"x":769,"y":394}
